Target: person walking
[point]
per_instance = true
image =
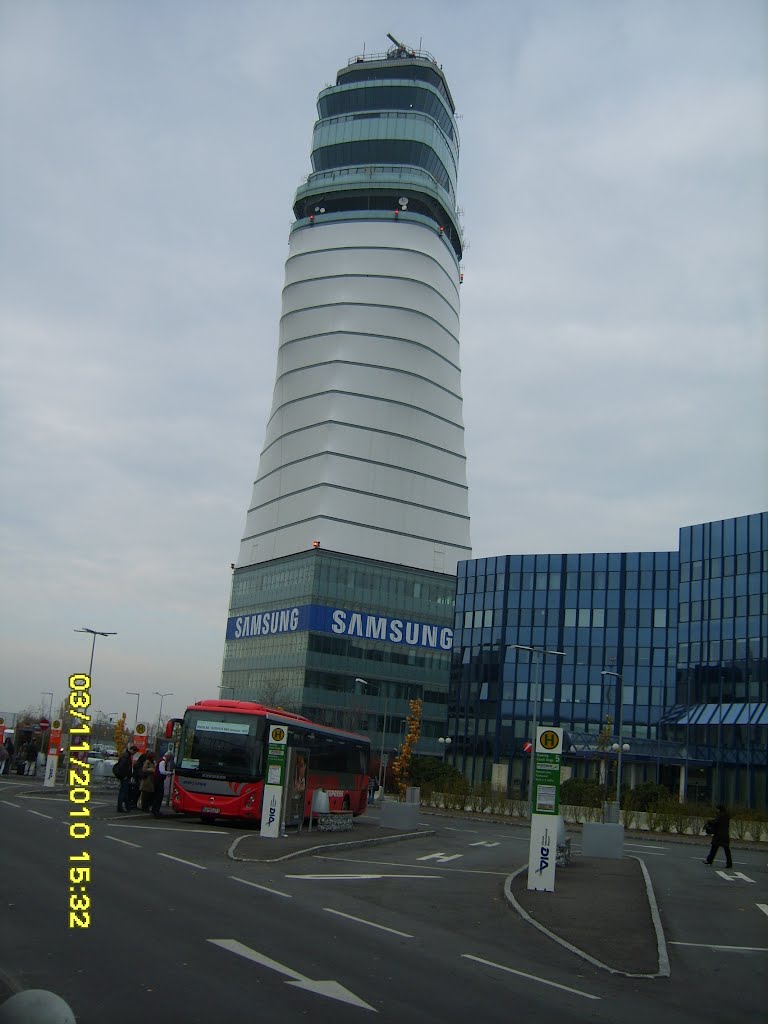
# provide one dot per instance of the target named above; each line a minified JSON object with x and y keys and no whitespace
{"x":123,"y":771}
{"x":719,"y":829}
{"x":3,"y":759}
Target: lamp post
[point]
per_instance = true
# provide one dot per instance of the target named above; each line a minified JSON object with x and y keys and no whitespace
{"x":618,"y":747}
{"x":94,"y":633}
{"x":162,"y":697}
{"x":540,"y":653}
{"x":365,"y":683}
{"x":445,"y":742}
{"x":132,"y":693}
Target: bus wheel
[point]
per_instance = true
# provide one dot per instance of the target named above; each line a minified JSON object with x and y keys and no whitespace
{"x":345,"y":804}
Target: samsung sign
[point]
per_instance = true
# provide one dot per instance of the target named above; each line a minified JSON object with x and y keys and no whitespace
{"x":321,"y":619}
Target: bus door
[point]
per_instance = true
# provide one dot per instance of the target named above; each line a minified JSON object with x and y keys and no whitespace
{"x":298,"y":769}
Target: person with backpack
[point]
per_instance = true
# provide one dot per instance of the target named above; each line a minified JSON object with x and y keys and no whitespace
{"x":123,"y":771}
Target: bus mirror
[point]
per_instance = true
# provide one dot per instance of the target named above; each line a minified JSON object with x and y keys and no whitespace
{"x":169,"y":726}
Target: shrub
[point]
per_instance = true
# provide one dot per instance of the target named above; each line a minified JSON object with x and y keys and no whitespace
{"x":697,"y":815}
{"x":629,"y":817}
{"x":756,"y":826}
{"x":481,"y":797}
{"x":648,"y":795}
{"x":740,"y":821}
{"x":582,"y":793}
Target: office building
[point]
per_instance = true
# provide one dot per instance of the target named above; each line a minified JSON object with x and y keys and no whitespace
{"x":683,"y":634}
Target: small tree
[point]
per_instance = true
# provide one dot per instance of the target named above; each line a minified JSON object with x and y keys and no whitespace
{"x":120,"y":735}
{"x":402,"y":764}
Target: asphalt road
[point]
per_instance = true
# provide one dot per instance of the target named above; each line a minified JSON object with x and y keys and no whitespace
{"x":412,"y":931}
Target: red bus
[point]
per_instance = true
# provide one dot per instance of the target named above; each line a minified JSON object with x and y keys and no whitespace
{"x":221,"y":763}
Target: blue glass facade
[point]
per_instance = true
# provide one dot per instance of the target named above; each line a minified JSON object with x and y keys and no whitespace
{"x":682,"y":629}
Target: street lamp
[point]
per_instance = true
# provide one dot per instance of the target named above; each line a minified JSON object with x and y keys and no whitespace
{"x":445,"y":742}
{"x":365,"y":683}
{"x":132,"y":693}
{"x":540,"y":653}
{"x":619,"y":748}
{"x":94,"y":633}
{"x":162,"y":697}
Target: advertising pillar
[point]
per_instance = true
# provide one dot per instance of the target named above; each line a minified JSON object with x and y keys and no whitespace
{"x":52,"y":762}
{"x":542,"y":854}
{"x":272,"y":806}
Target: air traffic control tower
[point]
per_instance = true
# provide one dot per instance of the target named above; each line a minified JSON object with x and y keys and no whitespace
{"x":343,"y":592}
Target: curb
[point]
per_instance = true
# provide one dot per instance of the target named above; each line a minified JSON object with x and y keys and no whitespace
{"x":351,"y":845}
{"x":664,"y":970}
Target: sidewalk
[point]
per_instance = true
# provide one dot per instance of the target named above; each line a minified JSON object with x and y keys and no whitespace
{"x":366,"y":831}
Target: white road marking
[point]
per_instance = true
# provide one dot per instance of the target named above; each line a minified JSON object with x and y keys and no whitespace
{"x":40,"y":814}
{"x":365,"y":878}
{"x":735,"y":875}
{"x":182,"y":832}
{"x":265,"y":888}
{"x":531,"y":977}
{"x":123,"y":841}
{"x":472,"y":831}
{"x":763,"y":907}
{"x":727,"y":949}
{"x":482,"y":843}
{"x":331,"y":989}
{"x":371,"y":924}
{"x":190,"y":863}
{"x":11,"y":804}
{"x":642,"y":846}
{"x":441,"y":858}
{"x":401,"y":864}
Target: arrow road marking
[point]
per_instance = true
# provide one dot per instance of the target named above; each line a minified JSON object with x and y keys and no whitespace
{"x":441,"y":858}
{"x":331,"y":989}
{"x":484,"y":844}
{"x":735,"y":875}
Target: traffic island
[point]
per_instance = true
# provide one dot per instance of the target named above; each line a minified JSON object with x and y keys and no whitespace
{"x":603,"y":910}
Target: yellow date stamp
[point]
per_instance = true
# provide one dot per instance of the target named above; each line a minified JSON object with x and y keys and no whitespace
{"x":79,"y":797}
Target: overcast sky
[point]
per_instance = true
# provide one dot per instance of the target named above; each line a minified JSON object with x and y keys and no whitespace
{"x":612,"y":179}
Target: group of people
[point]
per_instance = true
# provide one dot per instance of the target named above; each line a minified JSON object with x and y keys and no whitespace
{"x":7,"y":751}
{"x":142,"y":781}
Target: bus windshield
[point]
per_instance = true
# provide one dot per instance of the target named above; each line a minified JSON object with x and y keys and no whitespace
{"x":226,"y":745}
